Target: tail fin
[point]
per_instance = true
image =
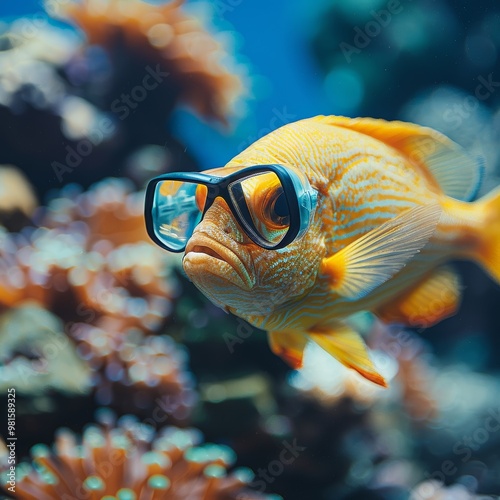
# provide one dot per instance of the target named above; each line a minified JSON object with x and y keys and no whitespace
{"x":489,"y":248}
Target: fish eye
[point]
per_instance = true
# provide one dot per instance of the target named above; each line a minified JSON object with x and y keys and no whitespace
{"x":274,"y":208}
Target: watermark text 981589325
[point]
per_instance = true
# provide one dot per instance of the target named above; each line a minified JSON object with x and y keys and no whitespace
{"x":11,"y":439}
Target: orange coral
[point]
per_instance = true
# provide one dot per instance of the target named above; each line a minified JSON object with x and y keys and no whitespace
{"x":89,"y":259}
{"x":164,"y":35}
{"x":134,"y":372}
{"x":110,"y":209}
{"x":130,"y":462}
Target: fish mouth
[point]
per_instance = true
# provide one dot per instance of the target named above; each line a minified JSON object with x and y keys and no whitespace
{"x":223,"y":261}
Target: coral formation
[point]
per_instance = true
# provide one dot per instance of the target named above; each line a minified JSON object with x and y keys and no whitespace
{"x":132,"y":372}
{"x":130,"y":461}
{"x":87,"y":263}
{"x":86,"y":260}
{"x":163,"y":35}
{"x":36,"y":101}
{"x":88,"y":104}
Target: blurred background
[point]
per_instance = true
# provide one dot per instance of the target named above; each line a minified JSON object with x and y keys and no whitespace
{"x":112,"y":352}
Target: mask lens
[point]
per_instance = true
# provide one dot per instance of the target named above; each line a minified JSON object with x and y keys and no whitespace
{"x":177,"y":210}
{"x":262,"y":204}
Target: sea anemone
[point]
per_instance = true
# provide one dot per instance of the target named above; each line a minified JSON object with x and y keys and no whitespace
{"x":164,"y":36}
{"x":130,"y":461}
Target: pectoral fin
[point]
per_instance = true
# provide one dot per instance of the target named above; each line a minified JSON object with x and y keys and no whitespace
{"x":436,"y":297}
{"x":289,"y":346}
{"x":371,"y":260}
{"x":344,"y":344}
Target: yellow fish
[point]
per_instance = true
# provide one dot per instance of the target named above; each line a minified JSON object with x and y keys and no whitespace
{"x":392,"y":207}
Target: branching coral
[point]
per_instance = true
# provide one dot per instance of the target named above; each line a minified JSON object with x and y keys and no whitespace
{"x":129,"y":461}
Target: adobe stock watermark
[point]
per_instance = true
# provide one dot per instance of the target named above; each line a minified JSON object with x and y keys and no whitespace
{"x":457,"y":113}
{"x":53,"y":7}
{"x":122,"y":108}
{"x":165,"y":408}
{"x":365,"y":35}
{"x":267,"y":475}
{"x":465,"y":448}
{"x":222,"y":7}
{"x":279,"y":118}
{"x":28,"y":28}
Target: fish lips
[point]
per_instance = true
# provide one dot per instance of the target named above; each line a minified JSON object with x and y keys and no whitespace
{"x":216,"y":258}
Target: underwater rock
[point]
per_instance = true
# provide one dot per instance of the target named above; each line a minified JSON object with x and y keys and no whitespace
{"x":130,"y":460}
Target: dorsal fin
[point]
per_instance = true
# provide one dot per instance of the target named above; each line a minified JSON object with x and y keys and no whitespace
{"x":457,"y":173}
